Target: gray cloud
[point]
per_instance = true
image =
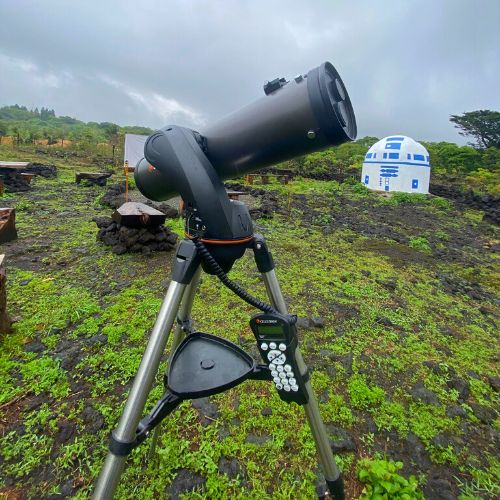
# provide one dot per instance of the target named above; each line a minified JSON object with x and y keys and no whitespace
{"x":407,"y":65}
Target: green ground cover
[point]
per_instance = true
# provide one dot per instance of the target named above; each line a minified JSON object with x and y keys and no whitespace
{"x":403,"y":364}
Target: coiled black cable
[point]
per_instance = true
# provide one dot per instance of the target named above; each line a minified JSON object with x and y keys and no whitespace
{"x":218,"y":271}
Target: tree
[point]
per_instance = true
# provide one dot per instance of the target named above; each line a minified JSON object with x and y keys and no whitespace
{"x":482,"y":125}
{"x":3,"y":130}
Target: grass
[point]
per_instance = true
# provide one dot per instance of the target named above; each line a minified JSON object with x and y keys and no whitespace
{"x":384,"y":305}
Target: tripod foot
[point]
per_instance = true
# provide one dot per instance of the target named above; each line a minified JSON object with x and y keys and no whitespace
{"x":336,"y":488}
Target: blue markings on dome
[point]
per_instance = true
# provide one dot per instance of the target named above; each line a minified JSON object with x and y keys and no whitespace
{"x":397,"y":163}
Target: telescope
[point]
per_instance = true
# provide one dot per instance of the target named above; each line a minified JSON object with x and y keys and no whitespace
{"x":308,"y":113}
{"x":305,"y":114}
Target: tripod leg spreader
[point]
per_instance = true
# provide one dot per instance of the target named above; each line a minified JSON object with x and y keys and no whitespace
{"x":167,"y":404}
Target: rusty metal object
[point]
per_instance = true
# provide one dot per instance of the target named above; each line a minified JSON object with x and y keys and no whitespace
{"x":8,"y":230}
{"x":27,"y":176}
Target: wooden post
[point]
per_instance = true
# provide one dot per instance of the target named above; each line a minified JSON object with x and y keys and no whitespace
{"x":1,"y":187}
{"x":126,"y":181}
{"x":5,"y":321}
{"x":265,"y":179}
{"x":8,"y":230}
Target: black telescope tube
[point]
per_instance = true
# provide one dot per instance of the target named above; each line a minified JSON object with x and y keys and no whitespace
{"x":306,"y":114}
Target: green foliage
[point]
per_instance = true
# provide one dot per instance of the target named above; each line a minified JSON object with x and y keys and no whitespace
{"x":77,"y":289}
{"x":420,"y":243}
{"x":27,"y":126}
{"x":383,"y":481}
{"x":362,"y":395}
{"x":3,"y":130}
{"x":45,"y":374}
{"x":482,"y":125}
{"x":486,"y":181}
{"x":391,"y":415}
{"x":451,"y":158}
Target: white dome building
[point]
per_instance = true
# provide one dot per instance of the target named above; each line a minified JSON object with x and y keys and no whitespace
{"x":397,"y":163}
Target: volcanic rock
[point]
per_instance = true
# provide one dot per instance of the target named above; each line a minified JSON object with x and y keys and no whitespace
{"x":124,"y":239}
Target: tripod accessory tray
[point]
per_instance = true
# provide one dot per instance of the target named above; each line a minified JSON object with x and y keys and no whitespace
{"x":205,"y":364}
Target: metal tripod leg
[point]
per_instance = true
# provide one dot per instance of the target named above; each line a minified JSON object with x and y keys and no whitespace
{"x":113,"y":466}
{"x":183,"y":316}
{"x":186,"y":263}
{"x":327,"y":460}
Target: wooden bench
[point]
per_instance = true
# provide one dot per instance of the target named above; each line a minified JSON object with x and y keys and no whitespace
{"x":234,"y":195}
{"x":99,"y":178}
{"x":8,"y":230}
{"x":282,"y":178}
{"x":14,"y":165}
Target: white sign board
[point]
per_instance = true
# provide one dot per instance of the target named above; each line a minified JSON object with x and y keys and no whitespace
{"x":134,"y":148}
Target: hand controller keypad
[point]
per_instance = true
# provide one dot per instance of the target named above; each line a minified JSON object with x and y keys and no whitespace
{"x":277,"y":340}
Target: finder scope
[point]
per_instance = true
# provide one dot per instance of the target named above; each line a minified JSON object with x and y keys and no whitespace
{"x":308,"y":113}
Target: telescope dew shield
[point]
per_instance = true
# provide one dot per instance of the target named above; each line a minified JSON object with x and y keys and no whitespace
{"x":306,"y":114}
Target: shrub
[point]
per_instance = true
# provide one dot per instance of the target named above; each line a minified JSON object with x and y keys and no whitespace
{"x":383,"y":481}
{"x":362,"y":395}
{"x":421,"y":244}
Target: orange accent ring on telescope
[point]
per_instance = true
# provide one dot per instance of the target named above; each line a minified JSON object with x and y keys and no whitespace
{"x":223,"y":242}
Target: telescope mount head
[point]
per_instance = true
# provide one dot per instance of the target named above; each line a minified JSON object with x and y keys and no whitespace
{"x":175,"y":155}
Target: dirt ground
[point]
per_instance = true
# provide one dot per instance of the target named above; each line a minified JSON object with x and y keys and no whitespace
{"x":398,"y":309}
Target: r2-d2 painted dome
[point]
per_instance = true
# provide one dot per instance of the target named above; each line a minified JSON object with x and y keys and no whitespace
{"x":397,"y":163}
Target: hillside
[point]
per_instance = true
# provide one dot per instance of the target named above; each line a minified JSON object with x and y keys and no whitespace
{"x":29,"y":126}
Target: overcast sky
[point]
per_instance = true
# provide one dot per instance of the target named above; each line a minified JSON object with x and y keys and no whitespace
{"x":407,"y":65}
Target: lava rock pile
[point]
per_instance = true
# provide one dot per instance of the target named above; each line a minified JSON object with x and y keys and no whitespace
{"x":489,"y":204}
{"x":13,"y":181}
{"x":269,"y":202}
{"x":47,"y":171}
{"x":114,"y":197}
{"x":124,"y":239}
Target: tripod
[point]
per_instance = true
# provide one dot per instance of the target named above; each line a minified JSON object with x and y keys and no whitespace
{"x":201,"y":364}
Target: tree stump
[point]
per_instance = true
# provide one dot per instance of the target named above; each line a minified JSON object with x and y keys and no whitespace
{"x":133,"y":214}
{"x":8,"y":230}
{"x":5,"y":321}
